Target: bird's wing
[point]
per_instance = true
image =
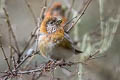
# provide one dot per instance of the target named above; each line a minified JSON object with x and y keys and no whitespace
{"x":68,"y":44}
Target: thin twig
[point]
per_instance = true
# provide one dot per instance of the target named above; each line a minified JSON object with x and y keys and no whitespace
{"x":36,"y":28}
{"x":97,"y":57}
{"x":70,"y":21}
{"x":49,"y":66}
{"x":34,"y":31}
{"x":69,"y":11}
{"x":28,"y":62}
{"x":10,"y":43}
{"x":25,"y":59}
{"x":38,"y":25}
{"x":30,"y":71}
{"x":14,"y":63}
{"x":22,"y":61}
{"x":13,"y":35}
{"x":30,"y":8}
{"x":5,"y":57}
{"x":42,"y":14}
{"x":43,"y":11}
{"x":82,"y":13}
{"x":90,"y":57}
{"x":41,"y":17}
{"x":29,"y":40}
{"x":13,"y":48}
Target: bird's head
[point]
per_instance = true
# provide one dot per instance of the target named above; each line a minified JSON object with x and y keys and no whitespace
{"x":50,"y":25}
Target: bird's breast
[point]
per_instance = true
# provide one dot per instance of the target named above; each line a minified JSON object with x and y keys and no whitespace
{"x":51,"y":49}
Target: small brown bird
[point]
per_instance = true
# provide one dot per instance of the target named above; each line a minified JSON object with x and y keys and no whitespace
{"x":53,"y":42}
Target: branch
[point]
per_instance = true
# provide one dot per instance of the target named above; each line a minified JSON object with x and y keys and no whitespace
{"x":70,"y":9}
{"x":45,"y":67}
{"x":29,"y":40}
{"x":25,"y":59}
{"x":33,"y":34}
{"x":5,"y":57}
{"x":10,"y":28}
{"x":29,"y":7}
{"x":50,"y":65}
{"x":14,"y":63}
{"x":43,"y":11}
{"x":10,"y":46}
{"x":82,"y":13}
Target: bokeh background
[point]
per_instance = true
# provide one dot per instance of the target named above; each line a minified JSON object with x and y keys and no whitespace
{"x":101,"y":15}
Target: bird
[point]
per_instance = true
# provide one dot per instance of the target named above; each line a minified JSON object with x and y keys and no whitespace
{"x":53,"y":42}
{"x":55,"y":10}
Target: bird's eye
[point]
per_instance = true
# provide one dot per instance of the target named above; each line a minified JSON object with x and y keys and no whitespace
{"x":59,"y":22}
{"x":51,"y":22}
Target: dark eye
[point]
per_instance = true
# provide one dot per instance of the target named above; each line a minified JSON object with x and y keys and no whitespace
{"x":59,"y":22}
{"x":51,"y":22}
